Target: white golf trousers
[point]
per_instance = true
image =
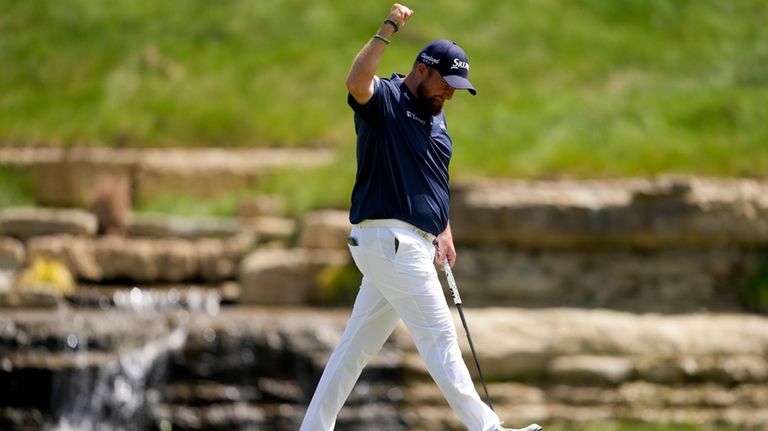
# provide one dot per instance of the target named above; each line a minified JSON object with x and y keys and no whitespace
{"x":397,"y":284}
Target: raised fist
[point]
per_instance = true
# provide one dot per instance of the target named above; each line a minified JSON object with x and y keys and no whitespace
{"x":400,"y":14}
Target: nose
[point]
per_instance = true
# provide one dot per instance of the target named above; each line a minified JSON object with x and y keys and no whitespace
{"x":449,"y":93}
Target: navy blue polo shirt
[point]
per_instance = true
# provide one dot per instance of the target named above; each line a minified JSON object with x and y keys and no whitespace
{"x":402,"y":160}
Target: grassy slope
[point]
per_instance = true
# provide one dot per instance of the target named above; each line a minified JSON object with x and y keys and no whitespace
{"x":16,"y":187}
{"x":566,"y":87}
{"x":582,"y":87}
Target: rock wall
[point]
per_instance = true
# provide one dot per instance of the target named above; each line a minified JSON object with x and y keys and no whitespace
{"x":256,"y":367}
{"x":572,"y":366}
{"x":73,"y":176}
{"x":143,"y":260}
{"x":243,"y":369}
{"x":662,"y":245}
{"x":630,"y":213}
{"x":601,"y":300}
{"x":668,"y":244}
{"x":666,"y":280}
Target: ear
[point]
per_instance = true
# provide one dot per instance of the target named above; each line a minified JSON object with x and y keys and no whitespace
{"x":422,"y":69}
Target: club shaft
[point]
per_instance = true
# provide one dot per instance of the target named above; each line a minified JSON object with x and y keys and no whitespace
{"x":457,"y":300}
{"x":474,"y":355}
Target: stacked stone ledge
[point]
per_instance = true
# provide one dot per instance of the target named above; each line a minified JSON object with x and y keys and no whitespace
{"x":575,"y":365}
{"x":281,"y":276}
{"x":668,"y":212}
{"x":157,"y":250}
{"x":144,"y":260}
{"x":12,"y":254}
{"x":67,"y":177}
{"x":632,"y":294}
{"x":648,"y":249}
{"x":27,"y":222}
{"x":669,"y":244}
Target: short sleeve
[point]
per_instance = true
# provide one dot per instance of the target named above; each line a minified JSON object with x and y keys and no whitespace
{"x":374,"y":108}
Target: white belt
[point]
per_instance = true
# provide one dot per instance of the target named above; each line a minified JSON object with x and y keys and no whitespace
{"x":391,"y":222}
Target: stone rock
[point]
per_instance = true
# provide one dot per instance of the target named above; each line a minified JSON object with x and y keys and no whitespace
{"x":34,"y":331}
{"x":662,"y":348}
{"x":733,"y":369}
{"x":219,"y":258}
{"x":260,"y":206}
{"x":28,"y":299}
{"x":111,"y":204}
{"x":587,"y":369}
{"x":197,"y":393}
{"x":213,"y":417}
{"x":144,"y":260}
{"x":666,"y":370}
{"x":74,"y":176}
{"x":275,"y":276}
{"x":6,"y":279}
{"x":273,"y":357}
{"x":654,"y":403}
{"x":326,"y":229}
{"x":654,"y":280}
{"x":11,"y":254}
{"x":24,"y":223}
{"x":164,"y":226}
{"x":207,"y":172}
{"x":116,"y":258}
{"x":272,"y":229}
{"x":642,"y":213}
{"x":71,"y":176}
{"x":730,"y":370}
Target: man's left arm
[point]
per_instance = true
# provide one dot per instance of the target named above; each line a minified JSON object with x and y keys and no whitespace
{"x":445,"y":247}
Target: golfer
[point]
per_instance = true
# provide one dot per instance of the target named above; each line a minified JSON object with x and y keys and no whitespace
{"x":400,"y":217}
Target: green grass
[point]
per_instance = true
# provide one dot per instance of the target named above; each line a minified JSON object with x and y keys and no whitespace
{"x":16,"y":187}
{"x":298,"y":189}
{"x":566,"y":87}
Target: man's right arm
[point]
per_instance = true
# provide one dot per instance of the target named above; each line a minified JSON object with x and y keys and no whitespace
{"x":361,"y":75}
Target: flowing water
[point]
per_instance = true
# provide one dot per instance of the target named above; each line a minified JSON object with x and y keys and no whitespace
{"x":175,"y":360}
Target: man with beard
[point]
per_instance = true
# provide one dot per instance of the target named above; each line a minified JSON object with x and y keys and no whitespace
{"x":400,"y":217}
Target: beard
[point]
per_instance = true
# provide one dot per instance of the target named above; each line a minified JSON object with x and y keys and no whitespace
{"x":427,"y":104}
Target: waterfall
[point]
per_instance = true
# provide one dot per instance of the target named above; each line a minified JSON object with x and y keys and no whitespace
{"x":118,"y":395}
{"x":116,"y":390}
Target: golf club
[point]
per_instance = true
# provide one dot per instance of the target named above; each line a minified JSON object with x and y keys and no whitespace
{"x":457,"y":301}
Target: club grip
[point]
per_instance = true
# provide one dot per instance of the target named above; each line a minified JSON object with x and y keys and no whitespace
{"x":451,"y":283}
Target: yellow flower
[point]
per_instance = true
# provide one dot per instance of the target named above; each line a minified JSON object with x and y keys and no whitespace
{"x":48,"y":274}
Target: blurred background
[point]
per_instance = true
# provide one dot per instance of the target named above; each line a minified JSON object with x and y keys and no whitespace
{"x":175,"y":175}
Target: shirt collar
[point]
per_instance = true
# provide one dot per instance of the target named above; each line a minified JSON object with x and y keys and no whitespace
{"x":400,"y":81}
{"x":410,"y":97}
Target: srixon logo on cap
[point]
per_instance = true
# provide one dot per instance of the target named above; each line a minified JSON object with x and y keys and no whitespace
{"x":458,"y":64}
